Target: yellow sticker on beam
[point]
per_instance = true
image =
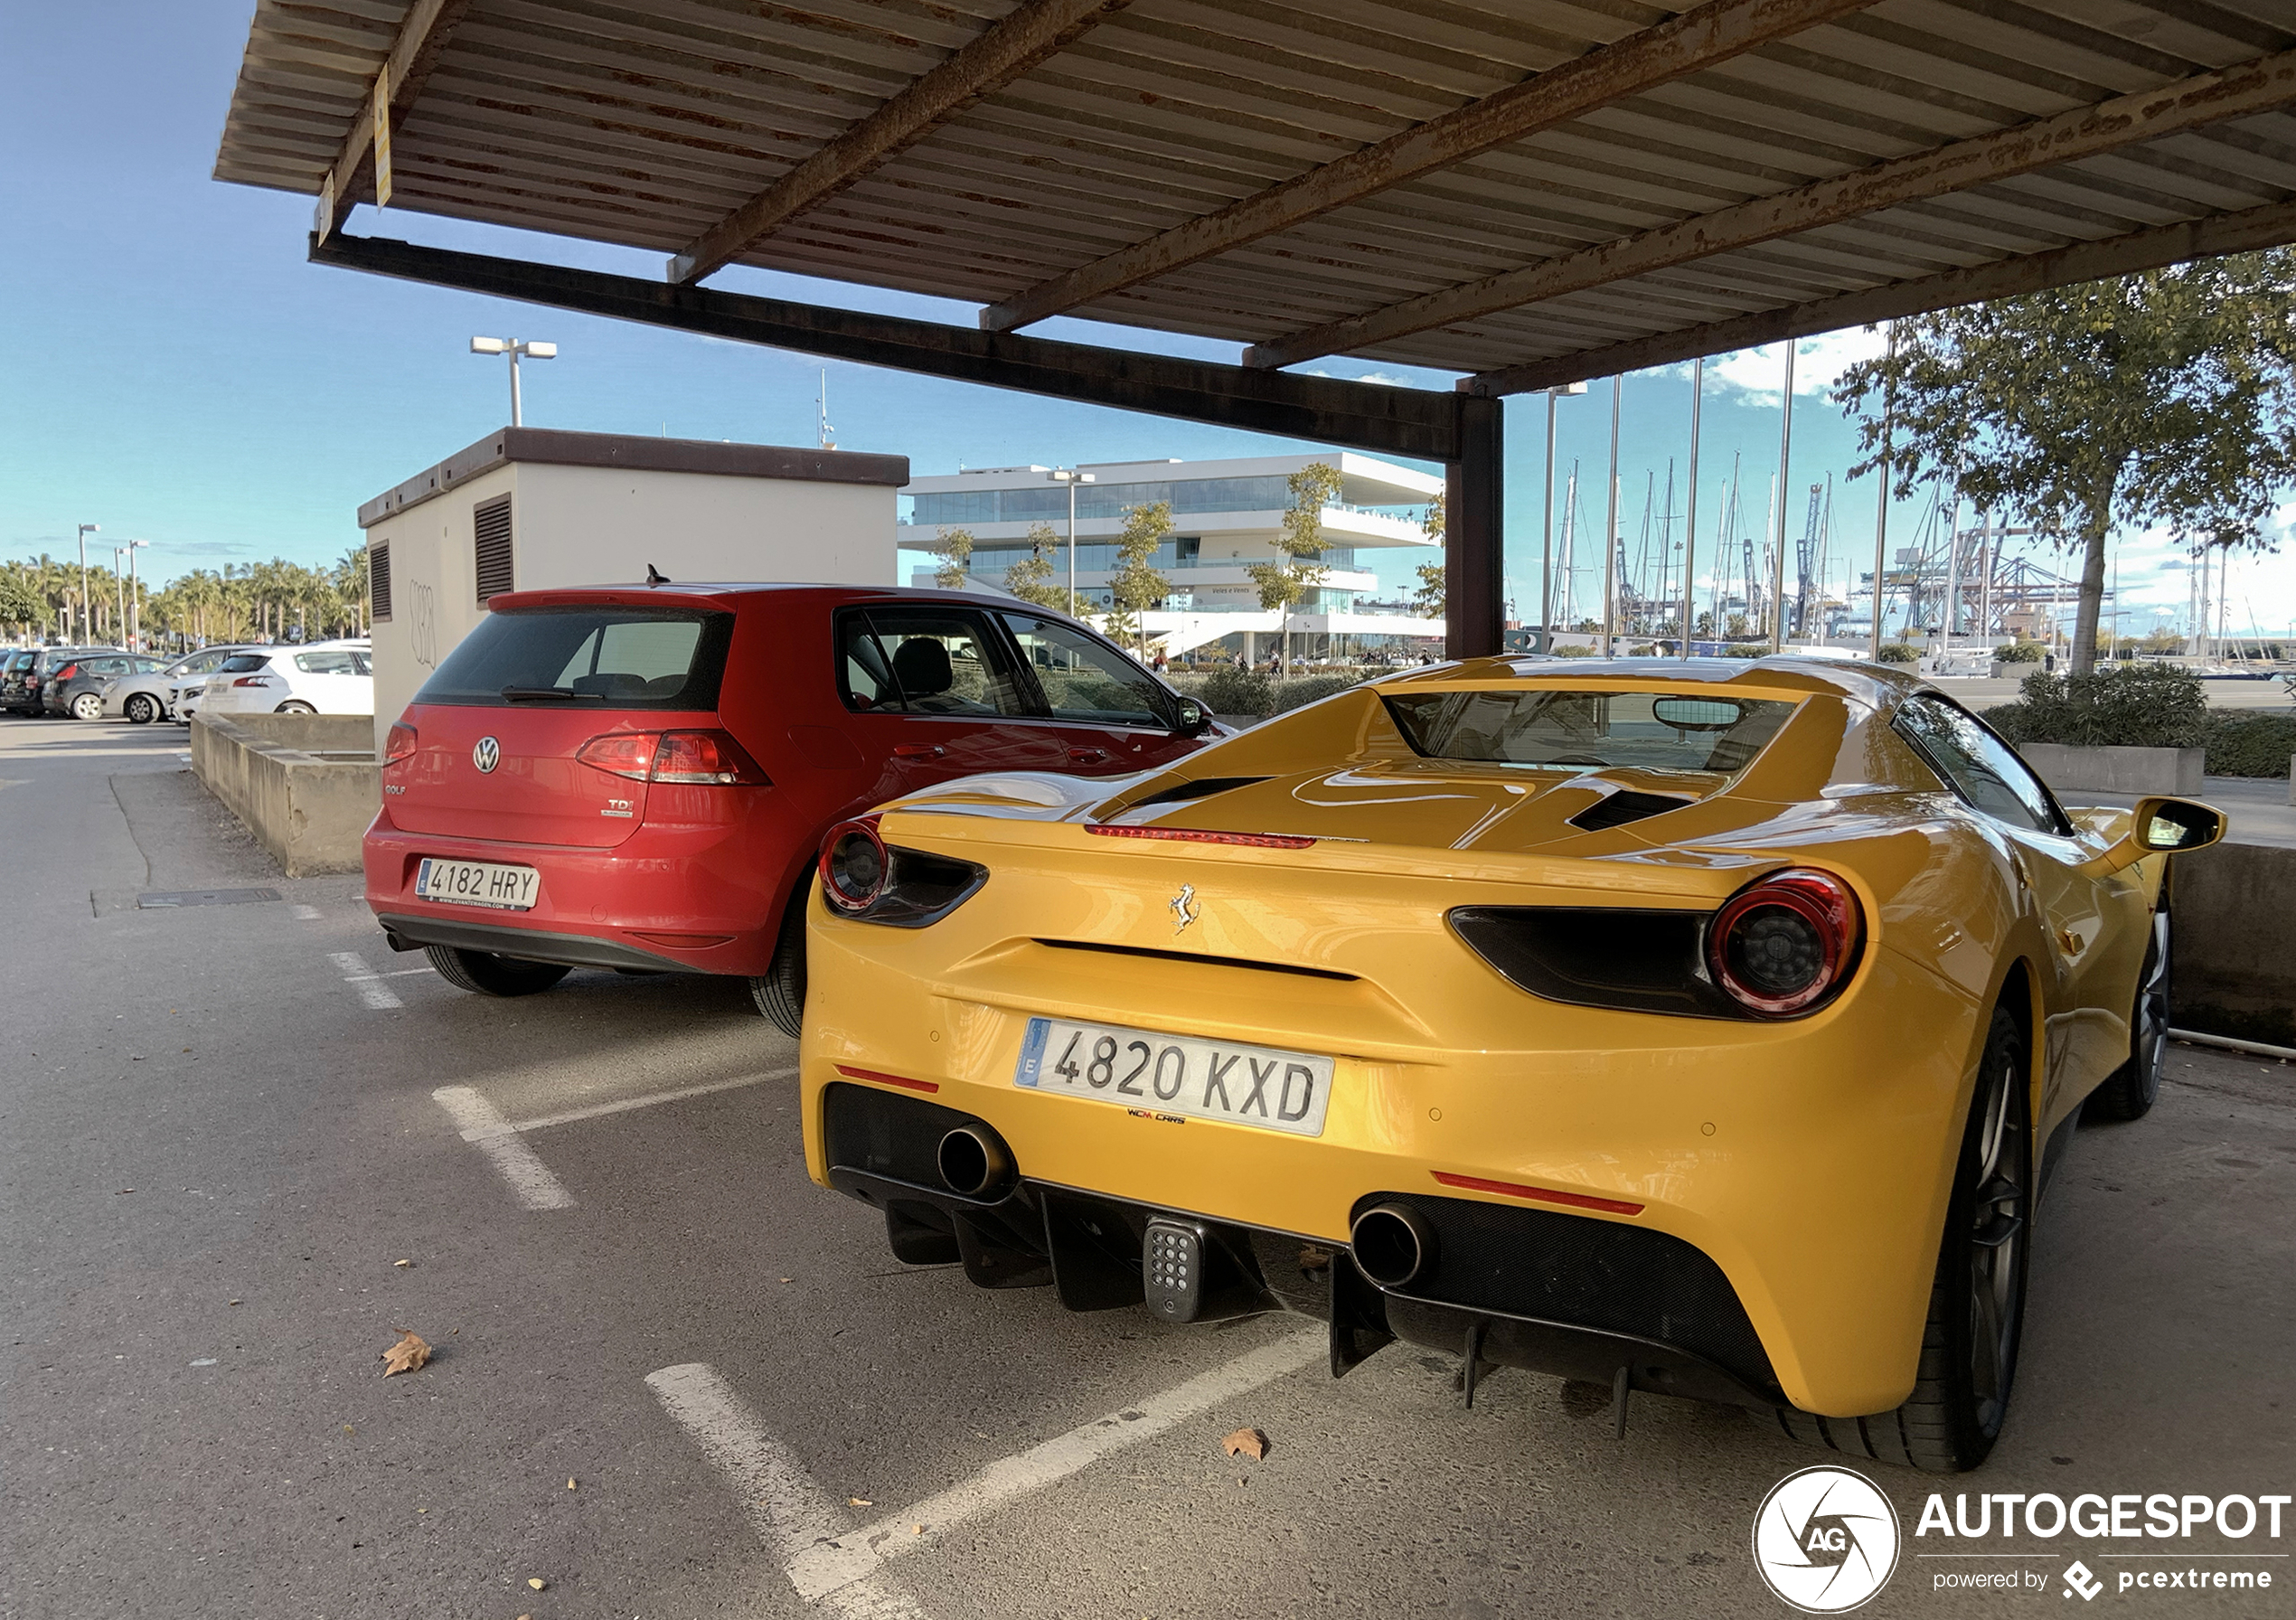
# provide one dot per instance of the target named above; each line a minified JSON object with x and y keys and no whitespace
{"x":382,"y":136}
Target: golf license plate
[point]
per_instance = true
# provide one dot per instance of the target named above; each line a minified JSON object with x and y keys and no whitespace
{"x":478,"y":883}
{"x":1149,"y":1073}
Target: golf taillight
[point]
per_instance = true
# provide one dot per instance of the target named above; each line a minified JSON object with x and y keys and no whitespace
{"x":399,"y":744}
{"x":711,"y":757}
{"x":685,"y":758}
{"x":854,"y":865}
{"x":1786,"y":944}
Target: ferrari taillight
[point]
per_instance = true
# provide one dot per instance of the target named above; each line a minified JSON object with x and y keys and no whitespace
{"x":1787,"y":944}
{"x":864,"y":878}
{"x":399,"y":744}
{"x":854,"y":865}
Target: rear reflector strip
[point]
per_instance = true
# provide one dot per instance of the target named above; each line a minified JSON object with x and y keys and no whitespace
{"x":1545,"y":1195}
{"x":894,"y":1079}
{"x":1258,"y":841}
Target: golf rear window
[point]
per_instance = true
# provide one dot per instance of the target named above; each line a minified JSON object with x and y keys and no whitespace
{"x":603,"y":657}
{"x":1656,"y":731}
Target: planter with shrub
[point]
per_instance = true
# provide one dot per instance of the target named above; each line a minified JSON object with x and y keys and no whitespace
{"x":1897,"y":652}
{"x":2139,"y":730}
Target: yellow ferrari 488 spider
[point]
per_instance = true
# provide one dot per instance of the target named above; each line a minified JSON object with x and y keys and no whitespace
{"x":1707,"y":1029}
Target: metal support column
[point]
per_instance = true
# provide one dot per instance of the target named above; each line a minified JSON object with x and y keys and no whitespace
{"x":1475,"y":531}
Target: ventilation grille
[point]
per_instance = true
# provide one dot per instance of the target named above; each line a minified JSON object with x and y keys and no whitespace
{"x":490,"y":523}
{"x":1619,"y":808}
{"x":378,"y":582}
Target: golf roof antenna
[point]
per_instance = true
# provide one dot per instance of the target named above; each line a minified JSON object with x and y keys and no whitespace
{"x":654,"y":576}
{"x":821,"y":405}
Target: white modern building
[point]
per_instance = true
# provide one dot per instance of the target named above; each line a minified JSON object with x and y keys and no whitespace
{"x":1226,"y":516}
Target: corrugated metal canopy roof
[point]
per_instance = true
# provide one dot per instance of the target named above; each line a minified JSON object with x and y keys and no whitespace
{"x":1322,"y":177}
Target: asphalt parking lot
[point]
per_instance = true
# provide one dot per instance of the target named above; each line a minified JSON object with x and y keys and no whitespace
{"x":241,"y":1146}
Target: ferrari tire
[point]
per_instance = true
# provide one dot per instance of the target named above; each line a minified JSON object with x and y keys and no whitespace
{"x":142,"y":709}
{"x":779,"y":992}
{"x":2130,"y":1092}
{"x":483,"y":973}
{"x":1977,"y":1297}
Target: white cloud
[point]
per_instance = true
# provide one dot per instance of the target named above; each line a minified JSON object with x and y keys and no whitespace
{"x":1758,"y":376}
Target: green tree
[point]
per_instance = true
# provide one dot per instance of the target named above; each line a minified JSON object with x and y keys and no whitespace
{"x":20,"y":602}
{"x":1031,"y":579}
{"x":955,"y":550}
{"x":2164,"y":399}
{"x":1138,"y":587}
{"x":1429,"y":598}
{"x":1282,"y":584}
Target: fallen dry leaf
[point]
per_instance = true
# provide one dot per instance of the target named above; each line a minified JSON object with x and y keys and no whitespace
{"x":569,"y":1482}
{"x":231,"y":1302}
{"x":349,"y":1430}
{"x":410,"y":1352}
{"x":858,"y":1501}
{"x":535,"y":1582}
{"x":1245,"y":1443}
{"x":402,"y":1263}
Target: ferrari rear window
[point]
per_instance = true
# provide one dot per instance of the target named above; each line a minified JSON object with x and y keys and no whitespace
{"x":601,"y":657}
{"x":1655,"y":731}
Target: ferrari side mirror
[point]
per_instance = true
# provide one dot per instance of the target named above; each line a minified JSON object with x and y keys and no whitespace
{"x":2162,"y":826}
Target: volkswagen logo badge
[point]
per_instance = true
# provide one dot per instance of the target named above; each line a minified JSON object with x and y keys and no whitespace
{"x":488,"y":754}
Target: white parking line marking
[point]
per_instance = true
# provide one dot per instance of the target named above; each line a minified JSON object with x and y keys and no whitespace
{"x":307,"y":914}
{"x":356,"y":971}
{"x":598,"y":1110}
{"x":484,"y":1126}
{"x":789,"y":1512}
{"x":819,"y":1567}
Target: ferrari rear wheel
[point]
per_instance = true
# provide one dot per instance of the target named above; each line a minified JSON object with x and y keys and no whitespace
{"x":2129,"y":1094}
{"x":486,"y":974}
{"x":779,"y":992}
{"x":1977,"y":1299}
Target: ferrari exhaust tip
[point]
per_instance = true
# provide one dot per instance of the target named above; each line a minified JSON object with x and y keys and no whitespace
{"x":1392,"y":1244}
{"x":973,"y":1161}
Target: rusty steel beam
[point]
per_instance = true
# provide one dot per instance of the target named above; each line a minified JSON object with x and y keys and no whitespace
{"x":2270,"y":226}
{"x":2253,"y":87}
{"x":1001,"y":53}
{"x":422,"y":39}
{"x":1695,"y":39}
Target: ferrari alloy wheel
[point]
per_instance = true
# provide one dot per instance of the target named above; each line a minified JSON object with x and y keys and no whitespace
{"x":2129,"y":1094}
{"x":779,"y":992}
{"x":486,"y":974}
{"x":1977,"y":1299}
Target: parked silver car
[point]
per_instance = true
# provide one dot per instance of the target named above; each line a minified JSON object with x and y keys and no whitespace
{"x":143,"y":698}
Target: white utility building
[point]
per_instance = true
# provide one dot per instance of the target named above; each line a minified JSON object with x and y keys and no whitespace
{"x":527,"y":508}
{"x":1226,"y":515}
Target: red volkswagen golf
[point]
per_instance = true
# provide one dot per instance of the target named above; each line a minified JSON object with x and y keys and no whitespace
{"x":639,"y":777}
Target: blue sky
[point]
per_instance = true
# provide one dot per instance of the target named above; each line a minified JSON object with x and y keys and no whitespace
{"x":175,"y":371}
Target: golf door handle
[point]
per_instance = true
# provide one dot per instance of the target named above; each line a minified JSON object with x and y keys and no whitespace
{"x":920,"y":750}
{"x":1087,"y":756}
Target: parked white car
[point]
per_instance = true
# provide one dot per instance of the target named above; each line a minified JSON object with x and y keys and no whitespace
{"x":144,"y":699}
{"x":327,"y":677}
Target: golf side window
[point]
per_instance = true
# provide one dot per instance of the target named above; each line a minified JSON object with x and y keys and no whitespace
{"x":1978,"y":765}
{"x":926,"y":661}
{"x":1084,"y":680}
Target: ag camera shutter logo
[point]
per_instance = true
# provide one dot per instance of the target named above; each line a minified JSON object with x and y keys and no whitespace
{"x":1825,"y":1540}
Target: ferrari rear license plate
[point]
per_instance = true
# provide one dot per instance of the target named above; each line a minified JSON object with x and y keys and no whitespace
{"x":478,"y":883}
{"x":1148,"y":1073}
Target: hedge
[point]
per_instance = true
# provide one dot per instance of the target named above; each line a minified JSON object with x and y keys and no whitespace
{"x":2250,"y":745}
{"x":2139,"y":706}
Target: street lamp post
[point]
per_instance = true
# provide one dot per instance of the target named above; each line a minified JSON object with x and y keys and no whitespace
{"x":1547,"y":524}
{"x":515,"y":347}
{"x":120,"y":589}
{"x":87,"y":630}
{"x":134,"y":605}
{"x":1071,"y":477}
